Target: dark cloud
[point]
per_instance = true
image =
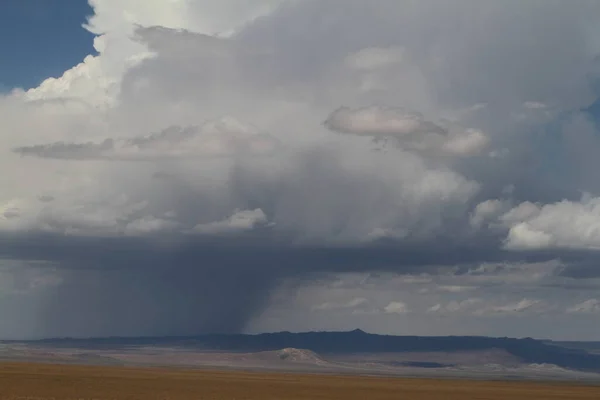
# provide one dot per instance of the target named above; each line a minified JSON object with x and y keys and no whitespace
{"x":187,"y":285}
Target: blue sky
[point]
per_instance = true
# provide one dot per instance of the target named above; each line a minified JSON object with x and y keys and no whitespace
{"x":41,"y":38}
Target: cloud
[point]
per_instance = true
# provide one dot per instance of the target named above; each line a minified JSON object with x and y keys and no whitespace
{"x":534,"y":105}
{"x":408,"y":129}
{"x":241,"y":220}
{"x":396,"y":307}
{"x":566,"y":224}
{"x":591,"y":306}
{"x":98,"y":79}
{"x":480,"y":307}
{"x":275,"y":153}
{"x":521,"y":307}
{"x":375,"y":58}
{"x":353,"y":304}
{"x":513,"y":274}
{"x":148,"y":225}
{"x":487,"y":211}
{"x":379,"y":121}
{"x":455,"y":306}
{"x":454,"y":288}
{"x":220,"y":138}
{"x":472,"y":141}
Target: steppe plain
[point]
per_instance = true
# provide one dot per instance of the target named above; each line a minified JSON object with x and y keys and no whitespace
{"x":33,"y":381}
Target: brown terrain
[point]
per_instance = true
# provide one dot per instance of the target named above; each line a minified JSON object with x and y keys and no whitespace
{"x":30,"y":381}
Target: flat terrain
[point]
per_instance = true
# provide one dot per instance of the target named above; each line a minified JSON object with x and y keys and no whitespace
{"x":24,"y":381}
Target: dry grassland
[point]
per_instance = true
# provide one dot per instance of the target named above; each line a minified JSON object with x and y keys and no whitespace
{"x":61,"y":382}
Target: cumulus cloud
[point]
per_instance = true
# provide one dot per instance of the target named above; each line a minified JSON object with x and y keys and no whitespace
{"x":381,"y":140}
{"x":567,"y":224}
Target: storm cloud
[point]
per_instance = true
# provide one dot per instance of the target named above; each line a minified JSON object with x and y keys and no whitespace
{"x":211,"y":155}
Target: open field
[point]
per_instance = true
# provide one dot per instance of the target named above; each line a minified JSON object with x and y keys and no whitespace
{"x":68,"y":382}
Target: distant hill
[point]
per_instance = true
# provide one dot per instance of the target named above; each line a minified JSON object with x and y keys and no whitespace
{"x":529,"y":351}
{"x":593,"y":347}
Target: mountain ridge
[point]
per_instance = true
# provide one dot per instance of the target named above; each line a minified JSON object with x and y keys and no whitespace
{"x":529,"y":350}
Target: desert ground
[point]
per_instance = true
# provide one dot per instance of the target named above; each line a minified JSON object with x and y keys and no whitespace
{"x":31,"y":381}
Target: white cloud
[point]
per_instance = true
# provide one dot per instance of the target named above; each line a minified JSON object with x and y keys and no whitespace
{"x":565,"y":224}
{"x":396,"y":307}
{"x":522,"y":236}
{"x":97,"y":79}
{"x":521,"y":212}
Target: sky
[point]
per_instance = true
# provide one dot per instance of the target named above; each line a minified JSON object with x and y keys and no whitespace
{"x":41,"y":39}
{"x":402,"y":167}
